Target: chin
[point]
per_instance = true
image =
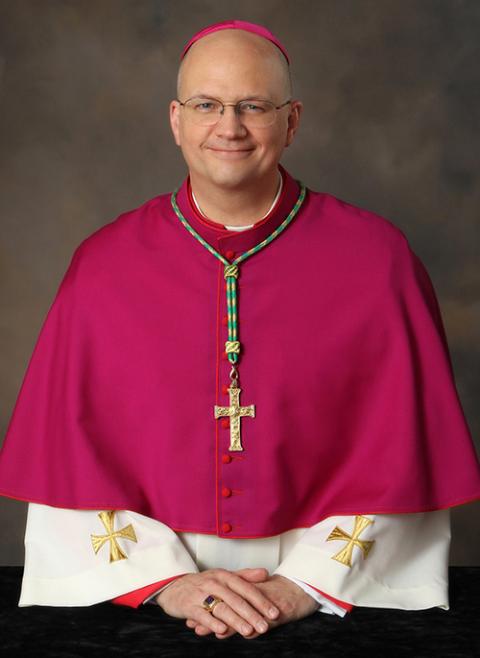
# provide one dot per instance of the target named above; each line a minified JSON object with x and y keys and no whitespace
{"x":229,"y":182}
{"x":229,"y":177}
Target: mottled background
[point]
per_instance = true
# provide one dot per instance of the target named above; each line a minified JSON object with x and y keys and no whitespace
{"x":392,"y":98}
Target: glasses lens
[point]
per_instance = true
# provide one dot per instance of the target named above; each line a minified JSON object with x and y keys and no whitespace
{"x":256,"y":113}
{"x":204,"y":111}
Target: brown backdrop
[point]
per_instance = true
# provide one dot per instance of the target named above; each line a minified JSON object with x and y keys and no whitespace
{"x":391,"y":123}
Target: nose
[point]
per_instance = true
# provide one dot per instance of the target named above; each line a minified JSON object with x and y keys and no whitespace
{"x":229,"y":125}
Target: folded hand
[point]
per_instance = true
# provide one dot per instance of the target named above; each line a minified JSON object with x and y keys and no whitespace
{"x":287,"y":596}
{"x":243,"y":607}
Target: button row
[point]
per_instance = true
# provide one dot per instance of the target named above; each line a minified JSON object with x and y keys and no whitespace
{"x":226,"y":459}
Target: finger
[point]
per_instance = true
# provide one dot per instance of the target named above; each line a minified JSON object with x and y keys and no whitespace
{"x":235,"y":611}
{"x":191,"y":623}
{"x":254,"y":575}
{"x":229,"y":633}
{"x":228,"y":615}
{"x":202,"y":630}
{"x":222,"y":636}
{"x":210,"y":622}
{"x":198,"y":628}
{"x":252,"y":595}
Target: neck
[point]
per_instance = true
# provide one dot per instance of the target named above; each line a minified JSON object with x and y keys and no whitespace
{"x":236,"y":207}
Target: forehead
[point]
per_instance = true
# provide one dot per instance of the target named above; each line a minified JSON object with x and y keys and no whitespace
{"x":232,"y":63}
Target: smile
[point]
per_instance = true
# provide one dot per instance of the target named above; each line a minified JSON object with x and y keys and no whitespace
{"x":231,"y":154}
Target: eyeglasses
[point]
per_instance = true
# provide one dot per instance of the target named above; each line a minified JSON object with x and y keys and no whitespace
{"x":253,"y":112}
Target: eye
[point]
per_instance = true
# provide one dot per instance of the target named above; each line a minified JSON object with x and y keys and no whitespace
{"x":253,"y":107}
{"x":205,"y":106}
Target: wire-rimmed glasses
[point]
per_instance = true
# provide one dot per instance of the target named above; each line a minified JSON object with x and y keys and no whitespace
{"x":253,"y":112}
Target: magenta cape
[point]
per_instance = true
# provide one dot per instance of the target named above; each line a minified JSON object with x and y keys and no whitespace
{"x":344,"y":356}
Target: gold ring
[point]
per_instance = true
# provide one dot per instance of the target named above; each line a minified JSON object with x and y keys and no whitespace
{"x":210,"y":602}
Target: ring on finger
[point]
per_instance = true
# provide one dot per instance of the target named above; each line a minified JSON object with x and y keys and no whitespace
{"x":210,"y":602}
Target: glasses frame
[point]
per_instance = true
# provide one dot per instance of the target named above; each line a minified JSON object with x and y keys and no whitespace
{"x":234,"y":105}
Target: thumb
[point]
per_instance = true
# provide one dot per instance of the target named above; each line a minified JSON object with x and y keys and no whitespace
{"x":255,"y":575}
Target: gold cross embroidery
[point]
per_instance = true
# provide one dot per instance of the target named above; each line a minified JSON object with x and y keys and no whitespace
{"x":116,"y":553}
{"x":235,"y":411}
{"x":337,"y":534}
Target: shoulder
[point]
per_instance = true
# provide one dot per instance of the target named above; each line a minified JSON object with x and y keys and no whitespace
{"x":115,"y":250}
{"x":122,"y":227}
{"x":367,"y":242}
{"x":359,"y":232}
{"x":357,"y":222}
{"x":119,"y":239}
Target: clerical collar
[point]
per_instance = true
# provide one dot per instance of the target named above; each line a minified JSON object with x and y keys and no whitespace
{"x":234,"y":241}
{"x":242,"y":228}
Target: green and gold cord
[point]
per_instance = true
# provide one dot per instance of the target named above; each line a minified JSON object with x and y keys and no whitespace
{"x":231,"y":270}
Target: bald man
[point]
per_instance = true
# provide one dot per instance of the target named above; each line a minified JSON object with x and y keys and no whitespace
{"x":319,"y":489}
{"x":234,"y":170}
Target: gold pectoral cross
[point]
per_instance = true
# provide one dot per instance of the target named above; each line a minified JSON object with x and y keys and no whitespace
{"x":235,"y":412}
{"x":116,"y":553}
{"x":345,"y":555}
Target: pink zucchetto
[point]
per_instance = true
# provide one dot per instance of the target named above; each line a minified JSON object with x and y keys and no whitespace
{"x":254,"y":28}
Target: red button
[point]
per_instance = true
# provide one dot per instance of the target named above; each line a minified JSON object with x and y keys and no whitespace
{"x":226,"y":492}
{"x":226,"y":459}
{"x":230,"y":254}
{"x":225,"y":320}
{"x":225,"y":389}
{"x":226,"y":527}
{"x":225,"y":423}
{"x":224,"y":356}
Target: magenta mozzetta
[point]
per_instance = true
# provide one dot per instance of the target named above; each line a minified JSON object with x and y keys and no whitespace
{"x":343,"y":354}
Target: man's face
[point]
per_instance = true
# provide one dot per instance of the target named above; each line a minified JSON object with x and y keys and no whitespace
{"x":230,"y":66}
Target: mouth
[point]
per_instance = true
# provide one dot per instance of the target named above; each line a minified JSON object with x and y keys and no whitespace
{"x":232,"y":154}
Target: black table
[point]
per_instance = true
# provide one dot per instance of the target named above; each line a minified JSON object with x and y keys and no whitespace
{"x":111,"y":630}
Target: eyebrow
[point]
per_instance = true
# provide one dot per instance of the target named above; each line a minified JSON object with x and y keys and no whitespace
{"x":201,"y":94}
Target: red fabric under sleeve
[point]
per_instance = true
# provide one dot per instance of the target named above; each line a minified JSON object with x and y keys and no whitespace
{"x":135,"y":598}
{"x":346,"y":606}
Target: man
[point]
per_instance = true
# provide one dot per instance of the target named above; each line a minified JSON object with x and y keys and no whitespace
{"x":243,"y":389}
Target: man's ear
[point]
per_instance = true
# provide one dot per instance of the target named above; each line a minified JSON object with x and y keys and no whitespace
{"x":174,"y":120}
{"x":293,"y":121}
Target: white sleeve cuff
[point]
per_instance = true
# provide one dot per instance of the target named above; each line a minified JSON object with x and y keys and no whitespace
{"x":63,"y":568}
{"x":380,"y":561}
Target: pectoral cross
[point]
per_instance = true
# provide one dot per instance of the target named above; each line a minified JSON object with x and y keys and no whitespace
{"x":116,"y":553}
{"x":235,"y":412}
{"x":337,"y":534}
